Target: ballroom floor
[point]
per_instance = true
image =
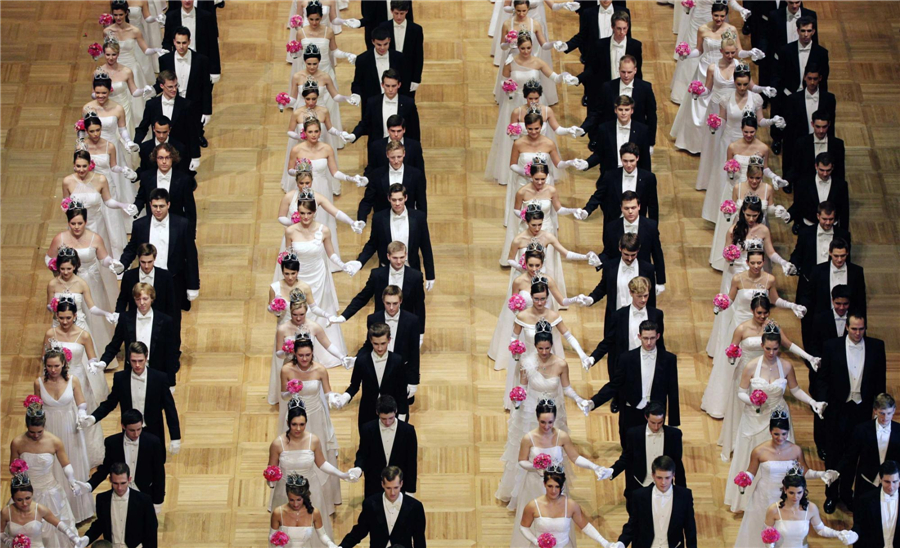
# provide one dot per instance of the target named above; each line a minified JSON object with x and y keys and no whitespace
{"x":216,"y":496}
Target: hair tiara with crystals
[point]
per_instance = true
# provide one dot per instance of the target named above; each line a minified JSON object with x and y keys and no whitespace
{"x":65,"y":298}
{"x":740,"y":67}
{"x":79,"y":145}
{"x":539,"y":160}
{"x":754,"y":244}
{"x":555,"y":469}
{"x":303,"y":334}
{"x":303,"y":165}
{"x":771,"y":328}
{"x":101,"y":74}
{"x":534,"y":109}
{"x":89,"y":114}
{"x":539,"y":279}
{"x":729,"y":35}
{"x":313,"y":3}
{"x":545,"y":399}
{"x":310,"y":115}
{"x":65,"y":251}
{"x":533,"y":206}
{"x":756,"y":160}
{"x":779,"y":413}
{"x":294,"y":479}
{"x":306,"y":195}
{"x":535,"y":245}
{"x":795,"y":470}
{"x":311,"y":49}
{"x":20,"y":480}
{"x":532,"y":85}
{"x":310,"y":83}
{"x":752,"y":199}
{"x":720,"y":3}
{"x":295,"y":402}
{"x":110,"y":39}
{"x":749,"y":114}
{"x":542,"y":326}
{"x":35,"y":410}
{"x":297,"y":295}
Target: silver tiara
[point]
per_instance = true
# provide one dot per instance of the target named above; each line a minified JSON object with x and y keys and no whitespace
{"x":20,"y":480}
{"x":729,"y":35}
{"x":539,"y":279}
{"x":534,"y":109}
{"x":740,"y":67}
{"x":313,"y":3}
{"x":795,"y":469}
{"x":539,"y":160}
{"x":101,"y":74}
{"x":53,"y":345}
{"x":302,"y":335}
{"x":310,"y":115}
{"x":65,"y":298}
{"x":756,"y":160}
{"x":759,"y":293}
{"x":34,"y":410}
{"x":542,"y":326}
{"x":294,"y":479}
{"x":555,"y":469}
{"x":523,"y":32}
{"x":754,"y":244}
{"x":297,"y":295}
{"x":779,"y":413}
{"x":65,"y":251}
{"x":306,"y":195}
{"x":311,"y":82}
{"x":720,"y":2}
{"x":303,"y":166}
{"x":749,"y":114}
{"x":296,"y":401}
{"x":533,"y":84}
{"x":751,"y":199}
{"x":771,"y":328}
{"x":110,"y":39}
{"x":533,"y":207}
{"x":89,"y":114}
{"x":535,"y":245}
{"x":545,"y":399}
{"x":74,"y":203}
{"x":79,"y":145}
{"x":311,"y":49}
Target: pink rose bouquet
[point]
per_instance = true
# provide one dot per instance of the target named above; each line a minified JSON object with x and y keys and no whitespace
{"x":527,"y":169}
{"x":95,"y":50}
{"x":732,"y":167}
{"x":105,"y":20}
{"x":277,"y":305}
{"x":65,"y":204}
{"x":770,"y":535}
{"x":272,"y":473}
{"x":21,"y":541}
{"x":68,"y":354}
{"x":31,"y":400}
{"x":687,"y":5}
{"x":509,"y":86}
{"x":79,"y":125}
{"x":92,"y":166}
{"x":293,"y":47}
{"x":296,"y":21}
{"x":282,"y":255}
{"x":288,"y":346}
{"x":18,"y":466}
{"x":516,"y":302}
{"x":279,"y":538}
{"x":714,"y":122}
{"x":294,"y":386}
{"x":517,"y":395}
{"x":54,"y":304}
{"x":721,"y":302}
{"x":546,"y":540}
{"x":731,"y":253}
{"x":52,"y":264}
{"x":682,"y":49}
{"x":283,"y":99}
{"x":733,"y":352}
{"x":513,"y":130}
{"x":517,"y":349}
{"x":728,"y":208}
{"x":758,"y":398}
{"x":742,"y":480}
{"x":295,"y":217}
{"x":696,"y":88}
{"x":512,"y":37}
{"x":542,"y":461}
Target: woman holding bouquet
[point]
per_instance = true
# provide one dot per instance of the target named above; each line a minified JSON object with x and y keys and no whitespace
{"x":134,"y":51}
{"x":298,"y":519}
{"x":793,"y":514}
{"x":287,"y":289}
{"x":322,"y":36}
{"x":324,"y":353}
{"x":310,"y":110}
{"x":520,"y":23}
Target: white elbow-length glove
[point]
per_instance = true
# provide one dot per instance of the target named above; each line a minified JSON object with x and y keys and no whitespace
{"x":798,"y":309}
{"x":817,"y":407}
{"x":768,"y":91}
{"x":846,"y":537}
{"x":560,"y":46}
{"x":813,"y":361}
{"x":126,"y":139}
{"x":577,"y":348}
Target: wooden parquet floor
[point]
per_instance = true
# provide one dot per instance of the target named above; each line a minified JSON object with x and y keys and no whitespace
{"x":216,"y":497}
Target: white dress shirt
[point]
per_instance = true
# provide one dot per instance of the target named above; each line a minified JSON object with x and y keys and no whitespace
{"x":804,"y":58}
{"x":840,"y":323}
{"x":189,"y":20}
{"x":604,"y":22}
{"x":388,"y":433}
{"x":626,"y":274}
{"x":400,"y":227}
{"x":812,"y":105}
{"x":631,"y":228}
{"x":823,"y":188}
{"x":654,"y":445}
{"x":144,"y":328}
{"x":648,"y":371}
{"x":131,"y":457}
{"x":883,"y":435}
{"x":391,"y":512}
{"x":163,"y":180}
{"x":791,"y":24}
{"x":395,"y":176}
{"x":388,"y":108}
{"x":382,"y":63}
{"x":380,"y":365}
{"x":823,"y":240}
{"x":661,"y":504}
{"x":856,"y":361}
{"x":626,"y":89}
{"x":118,"y":516}
{"x":623,"y":135}
{"x":183,"y":71}
{"x":635,"y":317}
{"x":147,"y":278}
{"x":159,"y":237}
{"x":399,"y":35}
{"x":392,"y":322}
{"x":167,"y":106}
{"x":629,"y":180}
{"x":139,"y":392}
{"x":820,"y":146}
{"x":395,"y":277}
{"x":616,"y":51}
{"x":390,"y":14}
{"x":888,"y":517}
{"x":838,"y":276}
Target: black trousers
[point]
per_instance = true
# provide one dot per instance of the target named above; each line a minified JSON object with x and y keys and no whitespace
{"x":840,"y":425}
{"x":629,"y":417}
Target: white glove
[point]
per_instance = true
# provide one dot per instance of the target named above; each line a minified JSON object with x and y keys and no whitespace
{"x":745,"y":14}
{"x":819,"y":407}
{"x":87,"y":422}
{"x":798,"y":309}
{"x":569,"y":79}
{"x":112,"y":317}
{"x":352,"y":23}
{"x":348,"y":137}
{"x":580,"y":165}
{"x":778,"y":122}
{"x":660,"y":288}
{"x":603,"y":473}
{"x":156,"y":51}
{"x":781,"y":213}
{"x":214,"y":78}
{"x":360,"y":180}
{"x":585,"y":300}
{"x":82,"y":542}
{"x":768,"y":91}
{"x":352,"y":267}
{"x":343,"y":400}
{"x":592,"y":257}
{"x":336,"y":319}
{"x":560,"y":46}
{"x":357,"y":226}
{"x":847,"y":537}
{"x":116,"y":266}
{"x":354,"y":473}
{"x":587,"y":362}
{"x":429,"y":285}
{"x":348,"y":362}
{"x":195,"y":163}
{"x":790,"y":270}
{"x":778,"y":182}
{"x":157,"y":508}
{"x":571,"y":6}
{"x":586,"y":407}
{"x":192,"y":294}
{"x":581,"y":215}
{"x":174,"y":446}
{"x":96,"y":366}
{"x":616,"y":545}
{"x":351,"y":58}
{"x":354,"y":99}
{"x":651,"y":151}
{"x":757,"y":54}
{"x":131,"y":210}
{"x":132,"y":146}
{"x":411,"y":390}
{"x":815,"y":363}
{"x":161,"y":19}
{"x":204,"y":119}
{"x":575,"y":131}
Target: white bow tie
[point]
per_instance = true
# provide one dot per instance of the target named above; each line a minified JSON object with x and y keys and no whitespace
{"x":390,"y":101}
{"x":401,"y":217}
{"x":807,"y":47}
{"x":144,"y":318}
{"x":654,"y":434}
{"x":138,"y":378}
{"x":182,"y":59}
{"x":840,"y":270}
{"x":147,"y":280}
{"x":812,"y":97}
{"x":631,"y":229}
{"x":617,"y":45}
{"x":886,"y":428}
{"x":857,"y":347}
{"x":159,"y":224}
{"x":792,"y":16}
{"x":627,"y":267}
{"x":168,"y":102}
{"x":117,"y":498}
{"x":393,"y":319}
{"x":648,"y":356}
{"x":164,"y":176}
{"x":824,"y":181}
{"x":134,"y":443}
{"x":642,"y":312}
{"x":818,"y":141}
{"x":826,"y":234}
{"x":187,"y":15}
{"x":606,"y":11}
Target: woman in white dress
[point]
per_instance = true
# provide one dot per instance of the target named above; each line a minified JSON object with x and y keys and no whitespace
{"x":770,"y":462}
{"x":326,"y":353}
{"x":125,"y":90}
{"x":48,"y":470}
{"x":135,"y":51}
{"x":315,"y":393}
{"x":793,"y":514}
{"x":504,"y":9}
{"x":325,"y":9}
{"x":521,"y":23}
{"x":298,"y":518}
{"x":290,"y":289}
{"x":149,"y":13}
{"x":310,"y":110}
{"x":323,"y":37}
{"x":307,"y":118}
{"x":544,"y":376}
{"x":538,"y":516}
{"x":551,"y":441}
{"x":23,"y":516}
{"x":64,"y":405}
{"x":310,"y":241}
{"x":772,"y":376}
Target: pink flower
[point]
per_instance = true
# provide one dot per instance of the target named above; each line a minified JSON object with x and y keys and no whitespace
{"x":509,"y":85}
{"x":733,"y":352}
{"x":293,"y":46}
{"x":54,"y":304}
{"x":282,"y":255}
{"x":527,"y":172}
{"x":683,"y":49}
{"x":79,"y":125}
{"x":517,"y":394}
{"x":687,"y":3}
{"x":696,"y":87}
{"x":272,"y":473}
{"x":295,"y":217}
{"x":95,"y":50}
{"x":512,"y":37}
{"x":21,"y":541}
{"x":522,"y":213}
{"x":279,"y":538}
{"x":294,"y":386}
{"x":288,"y":346}
{"x":731,"y":253}
{"x":68,"y":354}
{"x":91,"y":166}
{"x":302,"y":135}
{"x":770,"y":535}
{"x":714,"y":122}
{"x":742,"y":480}
{"x":758,"y":398}
{"x":277,"y":305}
{"x":721,"y":301}
{"x":283,"y":98}
{"x":52,"y":264}
{"x":542,"y":461}
{"x":546,"y":540}
{"x":32,"y":399}
{"x":65,"y":204}
{"x":517,"y":303}
{"x":728,"y":207}
{"x":18,"y":466}
{"x":732,"y":166}
{"x":296,"y":21}
{"x":517,"y":348}
{"x":513,"y":130}
{"x":105,"y":20}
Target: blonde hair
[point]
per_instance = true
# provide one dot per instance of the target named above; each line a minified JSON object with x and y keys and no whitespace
{"x":639,"y":285}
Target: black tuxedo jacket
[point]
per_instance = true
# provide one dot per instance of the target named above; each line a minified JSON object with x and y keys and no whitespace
{"x":833,"y":379}
{"x":803,"y":158}
{"x":374,"y":14}
{"x":162,"y":282}
{"x":199,"y":90}
{"x":163,"y":348}
{"x":798,"y":127}
{"x":413,"y":48}
{"x":140,"y":523}
{"x":786,"y":77}
{"x":633,"y":460}
{"x":185,"y":124}
{"x":393,"y":383}
{"x":682,"y":531}
{"x":775,"y":30}
{"x":608,"y":196}
{"x":371,"y":122}
{"x":626,"y":382}
{"x":867,"y":521}
{"x":588,"y":30}
{"x":181,"y":195}
{"x":377,"y":151}
{"x":648,"y":236}
{"x":205,"y":39}
{"x":376,"y":194}
{"x":602,"y":109}
{"x":608,"y":286}
{"x":150,"y":473}
{"x":816,"y":296}
{"x":823,"y":330}
{"x":596,"y":65}
{"x":861,"y":456}
{"x":370,"y":456}
{"x":182,"y":261}
{"x":615,"y":335}
{"x":419,"y":240}
{"x":806,"y":200}
{"x":147,"y":147}
{"x":158,"y":399}
{"x":757,"y":24}
{"x":805,"y":256}
{"x":367,"y":82}
{"x":606,"y":153}
{"x":406,"y":344}
{"x":409,"y":530}
{"x":413,"y":293}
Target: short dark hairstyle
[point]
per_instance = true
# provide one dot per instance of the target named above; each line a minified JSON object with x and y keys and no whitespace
{"x":119,"y":468}
{"x":381,"y":33}
{"x":826,"y":206}
{"x":630,"y":148}
{"x":664,"y":463}
{"x":137,"y":347}
{"x":145,"y":249}
{"x":838,"y":243}
{"x":167,"y":146}
{"x":378,"y":329}
{"x":390,"y":73}
{"x":825,"y":159}
{"x":396,"y":187}
{"x":859,"y":315}
{"x":620,"y":16}
{"x":395,"y":120}
{"x":629,"y":242}
{"x":184,"y":31}
{"x":623,"y":101}
{"x":840,"y":291}
{"x":159,"y":194}
{"x":654,"y":408}
{"x":821,"y":115}
{"x":648,"y":325}
{"x":163,"y":120}
{"x":132,"y":416}
{"x":812,"y":67}
{"x":385,"y":404}
{"x":166,"y":76}
{"x":806,"y":20}
{"x":889,"y":468}
{"x":391,"y":473}
{"x":629,"y":195}
{"x":400,"y":5}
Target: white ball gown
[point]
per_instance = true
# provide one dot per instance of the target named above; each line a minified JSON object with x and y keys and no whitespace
{"x":326,"y":20}
{"x":133,"y":106}
{"x":753,"y":430}
{"x":501,"y":148}
{"x":62,"y":416}
{"x":151,"y":33}
{"x":700,"y":15}
{"x":793,"y":532}
{"x":95,"y":391}
{"x":765,"y":489}
{"x":125,"y":190}
{"x":323,"y":182}
{"x":117,"y":221}
{"x":690,"y":122}
{"x":515,"y":226}
{"x":101,"y":280}
{"x":44,"y":472}
{"x":506,"y":361}
{"x":723,"y":319}
{"x":716,"y":260}
{"x":712,"y":156}
{"x":303,"y":462}
{"x":498,"y":17}
{"x":82,"y":319}
{"x":751,"y":349}
{"x":102,"y":219}
{"x":326,"y":64}
{"x":559,"y":527}
{"x":550,"y":96}
{"x":131,"y":55}
{"x":33,"y":529}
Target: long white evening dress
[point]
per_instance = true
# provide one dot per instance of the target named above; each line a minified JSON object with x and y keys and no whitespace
{"x":102,"y":218}
{"x":505,"y":361}
{"x":690,"y":121}
{"x":326,"y":64}
{"x":95,"y":391}
{"x":710,"y":162}
{"x":701,"y":14}
{"x":49,"y":492}
{"x":716,"y":260}
{"x":498,"y":17}
{"x":793,"y":532}
{"x":117,"y":221}
{"x":33,"y":529}
{"x":303,"y":462}
{"x":497,"y":167}
{"x":765,"y":489}
{"x":550,"y":96}
{"x":558,"y":527}
{"x":126,"y":191}
{"x":323,"y":183}
{"x":131,"y":56}
{"x":133,"y":106}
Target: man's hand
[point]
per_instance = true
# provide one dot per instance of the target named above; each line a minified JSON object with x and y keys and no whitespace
{"x":214,"y":78}
{"x":192,"y":294}
{"x":358,"y":226}
{"x":660,"y":288}
{"x":586,"y":406}
{"x":411,"y":390}
{"x":195,"y":163}
{"x":348,"y":362}
{"x":560,"y":46}
{"x":175,"y":447}
{"x":352,"y":267}
{"x":429,"y":285}
{"x":348,"y":137}
{"x":205,"y":118}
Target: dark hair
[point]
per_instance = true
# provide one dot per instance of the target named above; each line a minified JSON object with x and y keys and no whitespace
{"x":311,"y":54}
{"x":825,"y":159}
{"x":628,"y":58}
{"x":780,"y":423}
{"x":761,"y":300}
{"x":166,"y":76}
{"x":390,"y":473}
{"x":132,"y":416}
{"x":163,"y":120}
{"x":145,"y":249}
{"x":620,"y":16}
{"x":557,"y":476}
{"x":741,"y":228}
{"x":629,"y":242}
{"x":534,"y":254}
{"x":544,"y":407}
{"x":92,"y":121}
{"x":533,"y":118}
{"x":385,"y":404}
{"x":859,"y":315}
{"x":749,"y":121}
{"x":159,"y":194}
{"x":648,"y":325}
{"x":102,"y":80}
{"x":840,"y":291}
{"x":664,"y":463}
{"x":73,"y":212}
{"x":381,"y":33}
{"x":378,"y":329}
{"x":74,"y":260}
{"x":400,"y":5}
{"x":397,"y":187}
{"x":307,"y":91}
{"x":301,"y":491}
{"x":543,"y":337}
{"x":67,"y":307}
{"x":774,"y":337}
{"x":817,"y":115}
{"x":39,"y":420}
{"x":629,"y":195}
{"x":315,"y":9}
{"x":654,"y":408}
{"x":290,"y":264}
{"x":119,"y":468}
{"x":64,"y":372}
{"x":81,"y":155}
{"x":717,"y":7}
{"x":137,"y":347}
{"x":811,"y":67}
{"x":838,"y":243}
{"x":794,"y":480}
{"x":391,"y":73}
{"x":888,"y":468}
{"x":826,"y":206}
{"x":624,"y":101}
{"x":630,"y":148}
{"x":292,"y":414}
{"x":395,"y":120}
{"x":539,"y":287}
{"x":173,"y":152}
{"x":532,"y":86}
{"x":539,"y":168}
{"x":806,"y":20}
{"x":184,"y":31}
{"x":28,"y":488}
{"x":532,"y":215}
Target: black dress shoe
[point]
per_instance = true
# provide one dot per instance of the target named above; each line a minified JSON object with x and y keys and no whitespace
{"x":614,"y":407}
{"x":829,"y":506}
{"x":584,"y":100}
{"x":776,"y":147}
{"x":796,"y":228}
{"x":592,"y":146}
{"x":203,"y":142}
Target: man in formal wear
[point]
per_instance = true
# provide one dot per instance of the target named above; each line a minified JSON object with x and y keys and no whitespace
{"x":617,"y":273}
{"x":148,"y":273}
{"x":610,"y":137}
{"x":875,"y":519}
{"x":125,"y":516}
{"x":371,"y":66}
{"x":873,"y":443}
{"x":799,"y":110}
{"x":396,"y":273}
{"x":387,"y":442}
{"x":602,"y":65}
{"x":813,"y":244}
{"x":152,"y":328}
{"x":778,"y":30}
{"x":852,"y":373}
{"x":179,"y":111}
{"x":377,"y":148}
{"x":809,"y":192}
{"x":396,"y":172}
{"x":390,"y":518}
{"x":377,"y":372}
{"x":808,"y":147}
{"x":162,"y":129}
{"x":643,"y":374}
{"x":203,"y":35}
{"x":757,"y":26}
{"x":643,"y":444}
{"x":179,"y":185}
{"x":661,"y":514}
{"x":146,"y":390}
{"x":632,"y":222}
{"x":175,"y":246}
{"x":380,"y":107}
{"x":816,"y":296}
{"x":409,"y":39}
{"x":405,"y":335}
{"x":613,"y":184}
{"x":192,"y":70}
{"x":603,"y":108}
{"x":399,"y":224}
{"x":375,"y":13}
{"x":142,"y":451}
